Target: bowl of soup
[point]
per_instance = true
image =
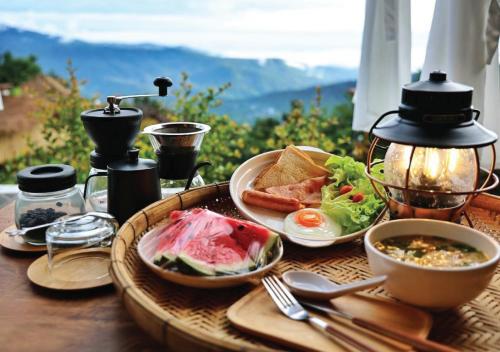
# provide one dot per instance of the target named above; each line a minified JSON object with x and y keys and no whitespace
{"x":430,"y":263}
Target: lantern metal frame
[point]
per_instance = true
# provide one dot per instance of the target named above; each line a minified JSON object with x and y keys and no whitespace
{"x":405,"y":209}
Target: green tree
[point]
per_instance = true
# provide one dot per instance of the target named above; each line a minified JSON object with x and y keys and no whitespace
{"x":315,"y":127}
{"x":226,"y":145}
{"x":17,"y":70}
{"x":151,"y":108}
{"x":262,"y":131}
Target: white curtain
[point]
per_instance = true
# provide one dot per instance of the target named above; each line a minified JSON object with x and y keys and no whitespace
{"x":385,"y":60}
{"x":463,"y":41}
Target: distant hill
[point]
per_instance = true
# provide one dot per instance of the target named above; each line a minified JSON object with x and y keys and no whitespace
{"x":18,"y":120}
{"x":274,"y":104}
{"x":111,"y":69}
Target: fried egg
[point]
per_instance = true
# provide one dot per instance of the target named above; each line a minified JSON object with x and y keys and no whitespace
{"x":310,"y":223}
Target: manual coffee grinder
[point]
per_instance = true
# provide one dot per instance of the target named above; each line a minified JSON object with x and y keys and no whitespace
{"x":113,"y":131}
{"x":177,"y":145}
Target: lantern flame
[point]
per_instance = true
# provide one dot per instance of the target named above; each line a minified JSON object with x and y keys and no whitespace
{"x":431,"y":163}
{"x":453,"y":156}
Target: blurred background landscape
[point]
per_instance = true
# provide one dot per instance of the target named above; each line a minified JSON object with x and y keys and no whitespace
{"x":263,"y":76}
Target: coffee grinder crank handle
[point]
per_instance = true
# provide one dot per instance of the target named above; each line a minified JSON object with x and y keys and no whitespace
{"x":163,"y":83}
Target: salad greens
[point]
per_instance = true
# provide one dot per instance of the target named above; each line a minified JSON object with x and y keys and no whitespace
{"x":352,"y":215}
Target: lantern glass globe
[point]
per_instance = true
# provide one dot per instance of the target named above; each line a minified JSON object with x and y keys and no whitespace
{"x":433,"y":169}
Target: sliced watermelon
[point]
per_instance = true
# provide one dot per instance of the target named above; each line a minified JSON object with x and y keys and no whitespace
{"x":212,"y":244}
{"x":179,"y":231}
{"x":248,"y":234}
{"x":215,"y":255}
{"x":227,"y":246}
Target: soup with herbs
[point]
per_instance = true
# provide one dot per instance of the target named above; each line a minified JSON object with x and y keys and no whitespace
{"x":431,"y":251}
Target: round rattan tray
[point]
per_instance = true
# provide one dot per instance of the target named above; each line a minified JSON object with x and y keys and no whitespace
{"x":188,"y":319}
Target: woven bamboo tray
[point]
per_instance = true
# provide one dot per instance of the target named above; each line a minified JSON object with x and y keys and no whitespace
{"x":187,"y":319}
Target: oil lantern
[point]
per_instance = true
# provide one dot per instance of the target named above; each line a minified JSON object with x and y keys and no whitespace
{"x":431,"y":167}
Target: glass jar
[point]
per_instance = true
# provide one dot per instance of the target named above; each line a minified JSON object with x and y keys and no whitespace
{"x":47,"y":192}
{"x":96,"y":189}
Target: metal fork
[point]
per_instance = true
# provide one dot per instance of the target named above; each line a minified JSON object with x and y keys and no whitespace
{"x":289,"y":306}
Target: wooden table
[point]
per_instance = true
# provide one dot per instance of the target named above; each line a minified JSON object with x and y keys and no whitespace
{"x":36,"y":320}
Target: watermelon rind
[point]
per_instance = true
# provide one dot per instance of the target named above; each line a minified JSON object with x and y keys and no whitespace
{"x":209,"y":269}
{"x":271,"y":241}
{"x":198,"y":266}
{"x":245,"y":265}
{"x":166,"y":256}
{"x":163,"y":261}
{"x":201,"y":267}
{"x":264,"y":253}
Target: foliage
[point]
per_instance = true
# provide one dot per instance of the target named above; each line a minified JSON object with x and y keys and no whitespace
{"x":17,"y":70}
{"x":226,"y":146}
{"x":316,"y":128}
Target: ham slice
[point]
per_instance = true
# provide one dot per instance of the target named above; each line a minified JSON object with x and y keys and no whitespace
{"x":308,"y":192}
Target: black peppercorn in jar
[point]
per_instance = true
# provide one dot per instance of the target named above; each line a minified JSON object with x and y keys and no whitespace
{"x":47,"y":192}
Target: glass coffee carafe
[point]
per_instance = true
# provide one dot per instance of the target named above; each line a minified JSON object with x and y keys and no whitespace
{"x":96,"y":189}
{"x":177,"y":145}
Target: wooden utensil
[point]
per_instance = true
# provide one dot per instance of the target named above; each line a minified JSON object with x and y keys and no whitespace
{"x":256,"y":314}
{"x":397,"y":334}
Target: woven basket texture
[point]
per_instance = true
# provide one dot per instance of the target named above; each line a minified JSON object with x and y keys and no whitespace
{"x":186,"y":319}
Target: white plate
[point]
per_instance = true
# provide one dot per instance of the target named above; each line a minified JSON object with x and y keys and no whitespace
{"x":147,"y":247}
{"x":243,"y":178}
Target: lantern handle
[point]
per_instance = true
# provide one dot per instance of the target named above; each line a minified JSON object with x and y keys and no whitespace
{"x":477,"y":114}
{"x":384,"y":115}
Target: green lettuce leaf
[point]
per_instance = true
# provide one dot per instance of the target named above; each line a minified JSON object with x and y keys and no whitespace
{"x":350,"y":215}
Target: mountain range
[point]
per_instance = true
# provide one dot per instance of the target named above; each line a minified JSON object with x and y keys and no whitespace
{"x":258,"y":87}
{"x":276,"y":103}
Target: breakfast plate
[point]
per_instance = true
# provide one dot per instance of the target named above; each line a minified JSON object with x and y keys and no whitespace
{"x":243,"y":179}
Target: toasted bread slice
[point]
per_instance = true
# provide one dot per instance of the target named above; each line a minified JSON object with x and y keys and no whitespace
{"x":261,"y":174}
{"x":293,"y":166}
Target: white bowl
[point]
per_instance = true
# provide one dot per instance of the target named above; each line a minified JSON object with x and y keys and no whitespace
{"x":435,"y":288}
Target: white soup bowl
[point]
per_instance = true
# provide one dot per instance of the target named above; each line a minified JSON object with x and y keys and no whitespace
{"x":434,"y":288}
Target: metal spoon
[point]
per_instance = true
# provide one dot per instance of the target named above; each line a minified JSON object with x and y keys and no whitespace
{"x":312,"y":285}
{"x":23,"y":231}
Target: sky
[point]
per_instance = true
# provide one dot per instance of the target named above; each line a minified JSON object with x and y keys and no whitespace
{"x":302,"y":32}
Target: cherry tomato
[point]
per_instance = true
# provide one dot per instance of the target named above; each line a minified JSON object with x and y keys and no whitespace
{"x":358,"y":197}
{"x":345,"y":189}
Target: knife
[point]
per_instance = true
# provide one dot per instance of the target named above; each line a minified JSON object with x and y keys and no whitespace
{"x":420,"y":343}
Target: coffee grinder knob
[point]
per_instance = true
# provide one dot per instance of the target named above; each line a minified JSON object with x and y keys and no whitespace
{"x":163,"y":83}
